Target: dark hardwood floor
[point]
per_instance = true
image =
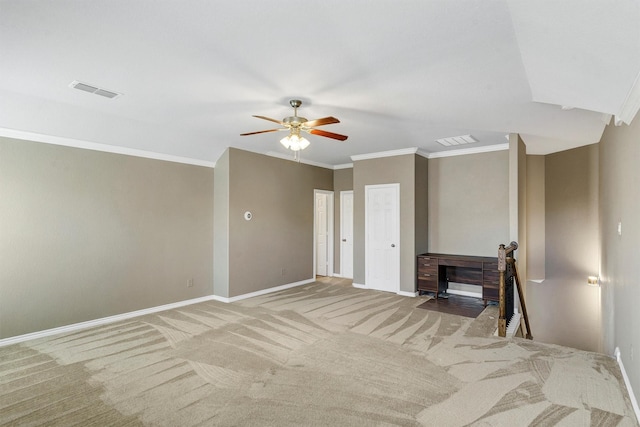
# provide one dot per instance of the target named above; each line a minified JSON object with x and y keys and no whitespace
{"x":456,"y":304}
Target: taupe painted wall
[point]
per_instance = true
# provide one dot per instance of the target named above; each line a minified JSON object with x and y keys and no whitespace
{"x":469,"y":203}
{"x":518,"y":206}
{"x":387,"y":170}
{"x":564,"y":309}
{"x":620,"y":260}
{"x":342,"y":181}
{"x":276,"y":247}
{"x":87,"y":234}
{"x":421,"y":205}
{"x":535,"y":218}
{"x":221,"y":227}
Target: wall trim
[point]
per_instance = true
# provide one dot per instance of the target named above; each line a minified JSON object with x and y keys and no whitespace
{"x":262,"y":291}
{"x":473,"y":150}
{"x":465,"y":293}
{"x":423,"y":153}
{"x":124,"y":316}
{"x":359,"y":285}
{"x":343,"y":166}
{"x":76,"y":143}
{"x":627,"y":382}
{"x":407,"y":294}
{"x":380,"y":154}
{"x":631,"y":104}
{"x":98,"y":322}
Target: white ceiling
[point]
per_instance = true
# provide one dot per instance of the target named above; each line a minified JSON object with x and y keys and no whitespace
{"x":398,"y":74}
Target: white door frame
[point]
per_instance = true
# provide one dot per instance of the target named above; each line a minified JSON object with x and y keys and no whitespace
{"x":330,"y":251}
{"x":342,"y":263}
{"x":367,"y":253}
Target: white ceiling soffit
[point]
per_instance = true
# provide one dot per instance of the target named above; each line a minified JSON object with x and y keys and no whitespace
{"x":396,"y":77}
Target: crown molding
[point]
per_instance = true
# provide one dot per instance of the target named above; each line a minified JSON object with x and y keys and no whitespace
{"x":423,"y":153}
{"x":381,"y":154}
{"x":76,"y":143}
{"x":343,"y":166}
{"x":631,"y":104}
{"x":465,"y":151}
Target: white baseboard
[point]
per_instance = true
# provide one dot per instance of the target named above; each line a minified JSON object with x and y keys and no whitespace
{"x":102,"y":321}
{"x":632,"y":397}
{"x":118,"y":317}
{"x":465,"y":293}
{"x":262,"y":291}
{"x":337,"y":275}
{"x":359,"y":285}
{"x":407,"y":294}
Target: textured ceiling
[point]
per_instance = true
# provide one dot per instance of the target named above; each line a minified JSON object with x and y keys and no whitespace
{"x":397,"y":74}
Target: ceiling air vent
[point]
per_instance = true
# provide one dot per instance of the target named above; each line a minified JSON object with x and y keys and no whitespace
{"x":456,"y":140}
{"x":95,"y":90}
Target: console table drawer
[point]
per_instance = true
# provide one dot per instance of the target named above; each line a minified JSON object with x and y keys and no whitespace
{"x":428,"y":275}
{"x":427,"y":262}
{"x":491,"y":292}
{"x":427,"y":268}
{"x":490,"y":271}
{"x":428,"y":283}
{"x":461,"y":263}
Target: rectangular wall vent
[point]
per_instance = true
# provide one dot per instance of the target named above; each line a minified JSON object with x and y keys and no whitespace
{"x":95,"y":90}
{"x":456,"y":140}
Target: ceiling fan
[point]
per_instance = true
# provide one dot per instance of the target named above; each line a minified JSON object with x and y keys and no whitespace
{"x":295,"y":125}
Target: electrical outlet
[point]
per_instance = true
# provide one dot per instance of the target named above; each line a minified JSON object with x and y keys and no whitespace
{"x":190,"y":283}
{"x":619,"y":228}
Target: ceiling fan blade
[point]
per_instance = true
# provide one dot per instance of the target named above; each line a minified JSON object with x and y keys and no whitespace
{"x":270,"y":119}
{"x":262,"y":131}
{"x":321,"y":122}
{"x":328,"y":134}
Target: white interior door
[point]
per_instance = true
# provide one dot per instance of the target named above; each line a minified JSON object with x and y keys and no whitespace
{"x":321,"y":234}
{"x":382,"y":223}
{"x":346,"y":234}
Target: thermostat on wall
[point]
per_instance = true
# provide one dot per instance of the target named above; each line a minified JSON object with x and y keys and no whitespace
{"x":248,"y":215}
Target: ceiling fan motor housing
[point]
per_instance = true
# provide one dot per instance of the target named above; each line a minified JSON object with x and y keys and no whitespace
{"x":294,"y":121}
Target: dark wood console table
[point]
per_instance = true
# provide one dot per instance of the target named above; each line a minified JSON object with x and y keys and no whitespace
{"x":435,"y":271}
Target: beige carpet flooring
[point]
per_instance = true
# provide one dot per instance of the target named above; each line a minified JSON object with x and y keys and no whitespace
{"x":324,"y":354}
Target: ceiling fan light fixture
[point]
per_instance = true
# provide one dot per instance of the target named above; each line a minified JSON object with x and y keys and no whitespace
{"x":294,"y":142}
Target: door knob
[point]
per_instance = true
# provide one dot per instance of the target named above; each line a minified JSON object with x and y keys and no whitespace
{"x":393,"y":245}
{"x":344,"y":240}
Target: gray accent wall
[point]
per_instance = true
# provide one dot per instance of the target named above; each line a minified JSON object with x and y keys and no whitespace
{"x":619,"y":192}
{"x":469,"y":203}
{"x":275,"y":247}
{"x":87,"y":234}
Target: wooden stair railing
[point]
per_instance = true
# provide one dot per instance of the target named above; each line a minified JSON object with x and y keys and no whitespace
{"x":508,"y":262}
